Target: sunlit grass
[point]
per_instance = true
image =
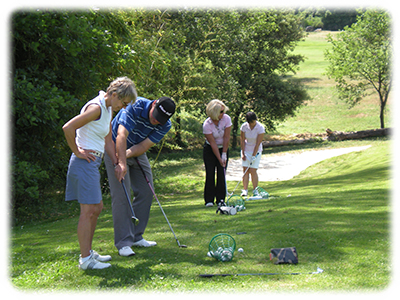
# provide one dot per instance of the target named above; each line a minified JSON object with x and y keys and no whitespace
{"x":337,"y":216}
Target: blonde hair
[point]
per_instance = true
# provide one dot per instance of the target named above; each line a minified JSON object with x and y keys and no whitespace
{"x":124,"y":87}
{"x":213,"y":109}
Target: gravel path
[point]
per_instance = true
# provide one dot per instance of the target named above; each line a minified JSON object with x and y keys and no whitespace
{"x":285,"y":167}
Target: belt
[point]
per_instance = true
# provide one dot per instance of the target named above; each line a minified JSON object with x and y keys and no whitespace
{"x":98,"y":154}
{"x":219,"y":146}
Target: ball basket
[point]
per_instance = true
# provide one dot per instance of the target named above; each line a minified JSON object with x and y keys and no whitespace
{"x":222,"y":247}
{"x":237,"y":202}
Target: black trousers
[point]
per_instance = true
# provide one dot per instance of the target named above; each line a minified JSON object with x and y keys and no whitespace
{"x":214,"y":190}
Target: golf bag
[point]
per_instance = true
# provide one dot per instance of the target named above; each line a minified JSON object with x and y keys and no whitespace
{"x":284,"y":256}
{"x":226,"y":210}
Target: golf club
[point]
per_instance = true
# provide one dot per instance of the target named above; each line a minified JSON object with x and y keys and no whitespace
{"x":134,"y":219}
{"x":244,"y":173}
{"x":319,"y":270}
{"x":159,"y":204}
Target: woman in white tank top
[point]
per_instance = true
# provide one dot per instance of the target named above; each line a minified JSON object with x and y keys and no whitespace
{"x":88,"y":135}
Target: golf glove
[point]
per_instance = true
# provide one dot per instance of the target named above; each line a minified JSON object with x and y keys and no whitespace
{"x":223,"y":156}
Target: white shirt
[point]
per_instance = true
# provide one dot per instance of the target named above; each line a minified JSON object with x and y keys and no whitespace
{"x":91,"y":136}
{"x":251,"y":136}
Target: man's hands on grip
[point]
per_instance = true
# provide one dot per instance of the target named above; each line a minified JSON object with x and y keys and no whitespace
{"x":120,"y":171}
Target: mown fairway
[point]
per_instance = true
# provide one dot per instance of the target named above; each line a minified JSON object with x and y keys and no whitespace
{"x":324,"y":109}
{"x":337,"y":216}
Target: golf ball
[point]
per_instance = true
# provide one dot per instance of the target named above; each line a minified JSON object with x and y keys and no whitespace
{"x":226,"y":255}
{"x":240,"y":250}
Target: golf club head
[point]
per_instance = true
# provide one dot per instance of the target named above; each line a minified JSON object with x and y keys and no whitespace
{"x":182,"y":246}
{"x":135,"y":221}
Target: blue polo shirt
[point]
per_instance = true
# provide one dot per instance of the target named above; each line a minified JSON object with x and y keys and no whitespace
{"x":135,"y":118}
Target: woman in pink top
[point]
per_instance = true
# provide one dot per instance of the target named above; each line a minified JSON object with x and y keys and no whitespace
{"x":251,"y":136}
{"x":217,"y":130}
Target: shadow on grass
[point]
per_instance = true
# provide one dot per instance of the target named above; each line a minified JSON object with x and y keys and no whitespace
{"x":332,"y":218}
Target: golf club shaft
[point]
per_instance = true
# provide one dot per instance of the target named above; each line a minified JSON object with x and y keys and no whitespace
{"x":135,"y":220}
{"x":319,"y":270}
{"x":238,"y":182}
{"x":241,"y":177}
{"x":159,"y":204}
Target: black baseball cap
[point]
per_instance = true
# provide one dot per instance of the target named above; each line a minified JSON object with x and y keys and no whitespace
{"x":164,"y":109}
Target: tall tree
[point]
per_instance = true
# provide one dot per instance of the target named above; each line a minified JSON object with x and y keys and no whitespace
{"x":60,"y":60}
{"x":254,"y":55}
{"x":360,"y":59}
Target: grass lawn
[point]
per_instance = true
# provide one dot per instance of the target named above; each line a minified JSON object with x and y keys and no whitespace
{"x":324,"y":109}
{"x":338,"y":217}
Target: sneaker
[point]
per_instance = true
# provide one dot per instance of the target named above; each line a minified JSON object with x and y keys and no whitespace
{"x":144,"y":243}
{"x":221,"y":203}
{"x":244,"y":193}
{"x":101,"y":258}
{"x":92,"y":264}
{"x":209,"y":204}
{"x":126,"y":251}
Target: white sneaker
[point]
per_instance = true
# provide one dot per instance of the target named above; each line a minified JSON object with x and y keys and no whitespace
{"x":126,"y":251}
{"x":244,"y":193}
{"x":144,"y":243}
{"x":92,"y":264}
{"x":209,"y":204}
{"x":102,"y":258}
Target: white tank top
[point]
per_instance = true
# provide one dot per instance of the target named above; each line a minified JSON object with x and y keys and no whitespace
{"x":91,"y":136}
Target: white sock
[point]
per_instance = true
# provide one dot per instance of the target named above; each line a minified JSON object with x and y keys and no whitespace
{"x":84,"y":259}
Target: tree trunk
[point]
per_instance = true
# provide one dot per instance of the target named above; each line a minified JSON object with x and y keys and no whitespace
{"x":331,"y":136}
{"x":235,"y":126}
{"x":340,"y":136}
{"x":382,"y":112}
{"x":178,"y":129}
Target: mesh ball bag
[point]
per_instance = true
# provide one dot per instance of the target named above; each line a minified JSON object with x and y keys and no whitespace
{"x":237,"y":202}
{"x":222,"y":247}
{"x":263,"y":193}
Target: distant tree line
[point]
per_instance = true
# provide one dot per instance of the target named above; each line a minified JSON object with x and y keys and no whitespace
{"x":332,"y":19}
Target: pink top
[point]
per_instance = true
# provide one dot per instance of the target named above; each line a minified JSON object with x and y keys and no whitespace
{"x":251,"y":136}
{"x":217,"y":130}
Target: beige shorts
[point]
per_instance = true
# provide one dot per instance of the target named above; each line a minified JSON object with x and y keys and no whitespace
{"x":255,"y":164}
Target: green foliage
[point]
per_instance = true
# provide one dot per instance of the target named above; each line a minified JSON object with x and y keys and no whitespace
{"x":76,"y":51}
{"x":360,"y":59}
{"x":255,"y":52}
{"x":191,"y":55}
{"x":338,"y":19}
{"x":327,"y":18}
{"x":38,"y":161}
{"x":58,"y":57}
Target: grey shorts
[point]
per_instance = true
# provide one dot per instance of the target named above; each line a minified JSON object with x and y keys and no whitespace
{"x":83,"y":181}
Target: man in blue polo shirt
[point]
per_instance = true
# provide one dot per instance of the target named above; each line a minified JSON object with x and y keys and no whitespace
{"x":134,"y":130}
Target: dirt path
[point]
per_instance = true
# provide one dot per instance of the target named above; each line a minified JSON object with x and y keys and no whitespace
{"x":285,"y":167}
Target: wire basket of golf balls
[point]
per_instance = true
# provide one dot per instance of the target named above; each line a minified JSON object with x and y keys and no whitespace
{"x":222,"y":246}
{"x":237,"y":202}
{"x":263,"y":193}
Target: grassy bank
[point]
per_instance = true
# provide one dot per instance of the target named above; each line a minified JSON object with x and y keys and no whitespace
{"x":337,"y":216}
